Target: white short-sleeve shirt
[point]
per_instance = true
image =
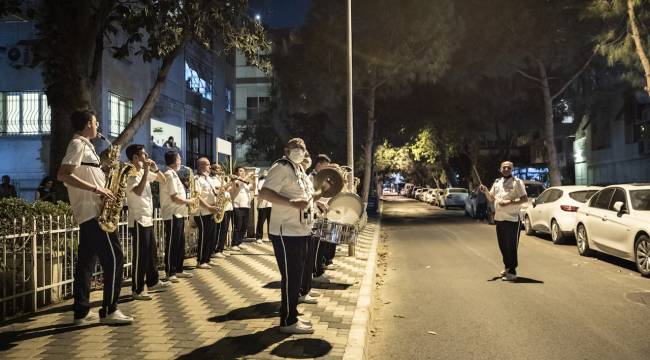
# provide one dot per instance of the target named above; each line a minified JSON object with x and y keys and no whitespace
{"x":511,"y":188}
{"x":169,"y":207}
{"x":291,"y":182}
{"x":241,"y":195}
{"x":262,"y":204}
{"x":205,"y":185}
{"x":140,"y":206}
{"x":85,"y":204}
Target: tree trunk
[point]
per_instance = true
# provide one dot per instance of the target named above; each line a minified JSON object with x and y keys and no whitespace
{"x":152,"y":98}
{"x":370,"y":140}
{"x":549,"y":138}
{"x":640,"y":51}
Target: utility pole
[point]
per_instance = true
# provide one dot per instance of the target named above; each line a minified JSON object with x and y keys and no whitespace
{"x":351,"y":248}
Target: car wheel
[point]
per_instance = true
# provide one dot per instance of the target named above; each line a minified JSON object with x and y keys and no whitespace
{"x":642,"y":255}
{"x":582,"y":241}
{"x":556,"y":233}
{"x":528,"y":226}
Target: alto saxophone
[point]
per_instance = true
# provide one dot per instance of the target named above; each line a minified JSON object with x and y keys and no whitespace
{"x":116,"y":183}
{"x":221,"y":203}
{"x":194,"y":192}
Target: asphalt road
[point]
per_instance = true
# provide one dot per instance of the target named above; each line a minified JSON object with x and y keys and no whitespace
{"x":439,"y":295}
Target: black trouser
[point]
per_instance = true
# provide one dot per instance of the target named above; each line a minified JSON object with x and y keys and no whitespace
{"x":263,"y":215}
{"x":93,"y":241}
{"x":319,"y":257}
{"x":222,"y":230}
{"x":240,"y":226}
{"x":143,"y":258}
{"x":289,"y":253}
{"x":508,"y":236}
{"x":174,"y":245}
{"x":309,"y":264}
{"x":481,"y":211}
{"x":205,"y":245}
{"x":329,"y":251}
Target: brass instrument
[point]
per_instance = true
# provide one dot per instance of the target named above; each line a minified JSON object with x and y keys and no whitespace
{"x":221,"y":203}
{"x":116,"y":183}
{"x":194,"y":192}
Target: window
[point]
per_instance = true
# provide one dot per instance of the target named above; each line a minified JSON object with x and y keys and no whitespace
{"x":121,"y":110}
{"x":602,"y":201}
{"x":229,"y":102}
{"x":543,"y":197}
{"x":198,"y":80}
{"x":24,"y":113}
{"x":255,"y":106}
{"x":555,"y":195}
{"x":199,"y":143}
{"x":582,"y":196}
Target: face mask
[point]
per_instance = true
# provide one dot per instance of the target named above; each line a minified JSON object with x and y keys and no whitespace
{"x":297,"y":155}
{"x":307,"y":163}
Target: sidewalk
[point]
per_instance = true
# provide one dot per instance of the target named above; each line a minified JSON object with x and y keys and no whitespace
{"x":227,"y":312}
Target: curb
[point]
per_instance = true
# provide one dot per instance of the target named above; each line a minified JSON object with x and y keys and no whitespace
{"x":357,"y":338}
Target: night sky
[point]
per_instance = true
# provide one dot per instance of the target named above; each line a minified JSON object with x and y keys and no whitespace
{"x":281,"y":13}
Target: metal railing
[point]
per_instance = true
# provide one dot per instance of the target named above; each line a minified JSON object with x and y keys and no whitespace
{"x":37,"y":261}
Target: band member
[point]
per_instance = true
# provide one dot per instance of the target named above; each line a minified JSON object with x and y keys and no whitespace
{"x":140,"y":223}
{"x":325,"y":251}
{"x":288,"y":189}
{"x":241,"y":201}
{"x":203,"y":218}
{"x":508,"y":193}
{"x":310,"y":249}
{"x":80,"y":172}
{"x":173,"y":209}
{"x":263,"y":212}
{"x":221,"y":229}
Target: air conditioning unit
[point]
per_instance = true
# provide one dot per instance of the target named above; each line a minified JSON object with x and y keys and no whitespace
{"x":644,"y":147}
{"x":20,"y":55}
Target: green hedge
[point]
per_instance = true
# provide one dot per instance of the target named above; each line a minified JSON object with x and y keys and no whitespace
{"x":17,"y":208}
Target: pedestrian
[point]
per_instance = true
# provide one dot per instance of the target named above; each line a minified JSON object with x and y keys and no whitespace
{"x":263,"y":213}
{"x":6,"y":189}
{"x":481,"y":205}
{"x":240,"y":194}
{"x":325,"y":251}
{"x":507,"y":192}
{"x":80,"y":171}
{"x":224,"y":226}
{"x":140,"y":223}
{"x":173,"y":209}
{"x":287,"y":187}
{"x":45,"y":191}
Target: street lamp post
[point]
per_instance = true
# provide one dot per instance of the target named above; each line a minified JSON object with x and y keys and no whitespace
{"x":350,"y":107}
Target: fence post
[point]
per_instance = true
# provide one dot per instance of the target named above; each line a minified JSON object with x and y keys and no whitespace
{"x":34,"y":265}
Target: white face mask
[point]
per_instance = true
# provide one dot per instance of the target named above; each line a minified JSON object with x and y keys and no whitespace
{"x":297,"y":155}
{"x":307,"y":163}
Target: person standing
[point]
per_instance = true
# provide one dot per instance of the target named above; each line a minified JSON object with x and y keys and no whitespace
{"x":80,"y":171}
{"x":203,"y":217}
{"x":263,"y":212}
{"x":507,"y":192}
{"x":6,"y":189}
{"x":240,"y":194}
{"x":325,"y":251}
{"x":311,"y":248}
{"x":224,"y":226}
{"x":140,"y":220}
{"x":288,"y":189}
{"x":45,"y":191}
{"x":173,"y":209}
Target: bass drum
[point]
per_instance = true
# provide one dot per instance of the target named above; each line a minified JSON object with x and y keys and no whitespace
{"x":345,"y":208}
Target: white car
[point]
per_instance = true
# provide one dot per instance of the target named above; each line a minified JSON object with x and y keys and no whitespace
{"x":453,"y":197}
{"x":616,"y":221}
{"x":554,"y":210}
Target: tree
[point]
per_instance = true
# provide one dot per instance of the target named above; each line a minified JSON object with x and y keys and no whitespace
{"x":75,"y":33}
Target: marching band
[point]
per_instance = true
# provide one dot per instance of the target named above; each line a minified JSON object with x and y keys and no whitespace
{"x":298,"y":229}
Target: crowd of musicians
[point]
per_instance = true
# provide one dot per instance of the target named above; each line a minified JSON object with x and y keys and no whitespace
{"x":288,"y":204}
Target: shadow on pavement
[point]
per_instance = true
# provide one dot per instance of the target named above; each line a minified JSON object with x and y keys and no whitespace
{"x":10,"y":339}
{"x":520,"y":280}
{"x":258,"y":311}
{"x":236,"y":347}
{"x":302,"y":349}
{"x":315,"y":285}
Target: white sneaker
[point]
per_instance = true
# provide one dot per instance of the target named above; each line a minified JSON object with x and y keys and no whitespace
{"x":323,"y":279}
{"x":305,"y":321}
{"x":297,"y":328}
{"x":502,"y":273}
{"x":141,"y":296}
{"x":221,"y":256}
{"x":235,"y":248}
{"x":185,"y":275}
{"x":314,"y":293}
{"x":258,"y":241}
{"x":90,"y":318}
{"x":204,"y":266}
{"x":160,"y":285}
{"x":509,"y":277}
{"x":172,"y":279}
{"x":213,"y":263}
{"x":306,"y":299}
{"x":116,"y":317}
{"x":331,"y":267}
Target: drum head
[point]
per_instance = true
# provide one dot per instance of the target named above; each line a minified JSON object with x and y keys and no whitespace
{"x":345,"y":208}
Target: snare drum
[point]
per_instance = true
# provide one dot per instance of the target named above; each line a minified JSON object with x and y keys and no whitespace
{"x":345,"y":208}
{"x":335,"y":233}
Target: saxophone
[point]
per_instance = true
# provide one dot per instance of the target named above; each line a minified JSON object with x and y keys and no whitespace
{"x":194,"y":193}
{"x":116,"y":183}
{"x":221,"y":203}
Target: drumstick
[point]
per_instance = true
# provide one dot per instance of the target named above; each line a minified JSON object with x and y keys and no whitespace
{"x":477,"y":176}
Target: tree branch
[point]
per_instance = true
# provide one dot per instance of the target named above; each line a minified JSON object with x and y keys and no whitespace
{"x":641,"y":53}
{"x":575,"y":76}
{"x":528,"y":76}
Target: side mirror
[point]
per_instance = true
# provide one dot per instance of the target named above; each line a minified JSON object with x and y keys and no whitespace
{"x":534,"y":203}
{"x":619,"y":207}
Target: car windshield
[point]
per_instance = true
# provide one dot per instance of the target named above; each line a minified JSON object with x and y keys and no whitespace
{"x":457,"y":190}
{"x":640,"y":199}
{"x":582,"y":196}
{"x":533,"y":190}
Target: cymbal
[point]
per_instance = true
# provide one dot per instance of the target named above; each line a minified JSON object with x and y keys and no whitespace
{"x":328,"y":181}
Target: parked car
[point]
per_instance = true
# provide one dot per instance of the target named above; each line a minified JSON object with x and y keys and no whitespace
{"x":430,"y":196}
{"x":533,"y":190}
{"x":616,"y":221}
{"x":554,"y":211}
{"x":453,"y":197}
{"x":438,"y":196}
{"x":416,"y":194}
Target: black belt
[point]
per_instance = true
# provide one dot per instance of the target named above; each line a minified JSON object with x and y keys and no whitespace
{"x":90,"y":164}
